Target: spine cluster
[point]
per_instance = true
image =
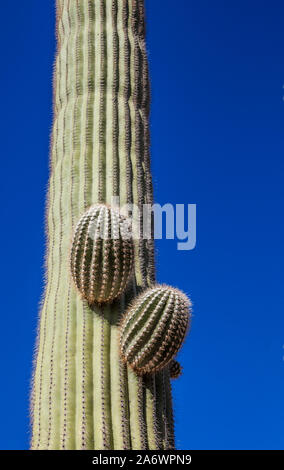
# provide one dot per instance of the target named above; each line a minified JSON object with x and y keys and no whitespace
{"x":153,"y":329}
{"x":102,"y":254}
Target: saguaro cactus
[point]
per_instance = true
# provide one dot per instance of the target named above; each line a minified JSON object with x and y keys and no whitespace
{"x":84,"y":396}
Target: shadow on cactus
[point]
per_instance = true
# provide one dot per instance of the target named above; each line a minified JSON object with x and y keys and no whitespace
{"x":102,"y":254}
{"x":153,"y":328}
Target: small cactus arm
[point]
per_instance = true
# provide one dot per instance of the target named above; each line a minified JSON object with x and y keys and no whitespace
{"x":83,"y":395}
{"x":102,"y":254}
{"x":153,"y":329}
{"x":175,"y":369}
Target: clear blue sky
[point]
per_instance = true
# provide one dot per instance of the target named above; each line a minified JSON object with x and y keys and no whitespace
{"x":217,"y":124}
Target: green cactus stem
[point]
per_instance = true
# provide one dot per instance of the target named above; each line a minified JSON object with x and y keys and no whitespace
{"x":102,"y":254}
{"x":153,"y":329}
{"x":175,"y":369}
{"x":83,"y":395}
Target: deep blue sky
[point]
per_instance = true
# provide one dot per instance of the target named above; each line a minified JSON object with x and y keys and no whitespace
{"x":217,"y":124}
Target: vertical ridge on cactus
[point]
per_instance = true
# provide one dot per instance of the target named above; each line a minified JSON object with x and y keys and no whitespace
{"x":153,"y":328}
{"x":83,"y":395}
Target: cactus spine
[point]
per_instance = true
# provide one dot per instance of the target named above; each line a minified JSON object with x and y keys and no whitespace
{"x":153,"y":329}
{"x":84,"y":397}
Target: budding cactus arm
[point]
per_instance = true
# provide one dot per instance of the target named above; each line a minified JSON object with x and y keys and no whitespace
{"x":153,"y":329}
{"x":84,"y":396}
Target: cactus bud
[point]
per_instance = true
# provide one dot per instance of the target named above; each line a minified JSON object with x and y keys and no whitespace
{"x":102,"y":254}
{"x":175,"y":369}
{"x":153,"y":328}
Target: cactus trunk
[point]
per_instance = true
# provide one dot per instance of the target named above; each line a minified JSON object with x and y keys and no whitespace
{"x":84,"y":396}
